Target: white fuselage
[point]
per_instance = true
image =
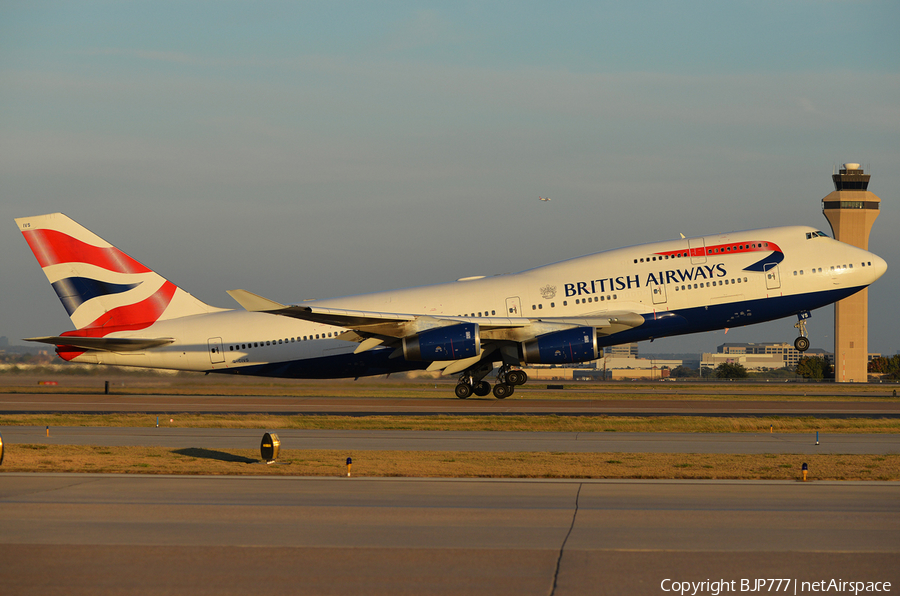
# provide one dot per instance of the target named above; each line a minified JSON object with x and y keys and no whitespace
{"x":725,"y":280}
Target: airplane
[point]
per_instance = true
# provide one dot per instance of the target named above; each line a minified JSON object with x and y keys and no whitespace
{"x":126,"y":314}
{"x":544,"y":198}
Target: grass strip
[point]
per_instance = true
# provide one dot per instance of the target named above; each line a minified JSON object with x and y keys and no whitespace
{"x":682,"y":424}
{"x":443,"y":464}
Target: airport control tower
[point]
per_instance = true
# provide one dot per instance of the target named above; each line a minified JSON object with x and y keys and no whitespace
{"x":851,"y":210}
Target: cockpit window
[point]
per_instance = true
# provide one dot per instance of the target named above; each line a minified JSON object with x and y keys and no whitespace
{"x":816,"y":234}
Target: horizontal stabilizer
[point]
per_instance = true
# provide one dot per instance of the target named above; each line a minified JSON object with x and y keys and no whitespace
{"x":254,"y":302}
{"x":107,"y":344}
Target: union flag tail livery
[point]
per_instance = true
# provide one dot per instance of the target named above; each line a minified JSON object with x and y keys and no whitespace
{"x":125,"y":314}
{"x":102,"y":288}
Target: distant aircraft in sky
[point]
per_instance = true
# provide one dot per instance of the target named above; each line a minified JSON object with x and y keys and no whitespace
{"x":544,"y":198}
{"x":125,"y":314}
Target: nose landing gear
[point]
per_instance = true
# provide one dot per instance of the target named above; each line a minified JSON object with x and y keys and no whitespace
{"x":802,"y":342}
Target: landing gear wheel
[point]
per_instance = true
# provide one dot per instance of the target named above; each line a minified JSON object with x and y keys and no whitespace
{"x":481,"y":389}
{"x":516,"y":377}
{"x":802,"y":344}
{"x":502,"y":390}
{"x":463,"y":390}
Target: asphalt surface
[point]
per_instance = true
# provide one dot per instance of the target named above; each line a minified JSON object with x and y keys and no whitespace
{"x":883,"y":407}
{"x":127,"y":534}
{"x":569,"y":442}
{"x":108,"y":534}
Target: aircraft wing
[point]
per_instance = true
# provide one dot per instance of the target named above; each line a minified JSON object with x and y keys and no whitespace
{"x":106,"y":344}
{"x":398,"y":325}
{"x":392,"y":330}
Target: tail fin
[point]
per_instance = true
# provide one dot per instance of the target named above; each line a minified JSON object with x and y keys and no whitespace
{"x":100,"y":286}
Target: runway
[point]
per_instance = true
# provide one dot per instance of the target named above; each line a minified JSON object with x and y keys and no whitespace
{"x":491,"y":441}
{"x":11,"y":403}
{"x":104,"y":534}
{"x":112,"y":534}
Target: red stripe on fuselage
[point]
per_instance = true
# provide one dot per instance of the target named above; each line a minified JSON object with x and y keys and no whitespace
{"x":724,"y":249}
{"x":52,"y":247}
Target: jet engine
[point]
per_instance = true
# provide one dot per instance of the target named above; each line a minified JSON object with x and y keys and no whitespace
{"x":453,"y":342}
{"x":562,"y":347}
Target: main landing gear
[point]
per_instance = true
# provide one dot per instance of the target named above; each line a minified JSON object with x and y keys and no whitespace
{"x":507,"y":378}
{"x":802,"y":342}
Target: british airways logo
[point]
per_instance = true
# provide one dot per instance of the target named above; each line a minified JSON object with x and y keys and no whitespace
{"x":628,"y":282}
{"x":774,"y":255}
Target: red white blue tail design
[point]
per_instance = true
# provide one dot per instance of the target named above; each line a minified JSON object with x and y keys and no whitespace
{"x":103,"y":289}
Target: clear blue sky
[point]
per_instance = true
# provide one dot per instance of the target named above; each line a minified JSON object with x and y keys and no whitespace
{"x":305,"y":150}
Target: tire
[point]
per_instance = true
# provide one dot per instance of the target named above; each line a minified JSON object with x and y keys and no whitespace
{"x":802,"y":344}
{"x":481,"y":389}
{"x":516,"y":377}
{"x":502,"y":390}
{"x":463,"y":391}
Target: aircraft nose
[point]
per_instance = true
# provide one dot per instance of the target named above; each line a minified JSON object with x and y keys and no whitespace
{"x":879,"y":266}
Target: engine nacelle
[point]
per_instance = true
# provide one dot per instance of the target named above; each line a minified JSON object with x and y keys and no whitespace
{"x":454,"y":342}
{"x":562,"y":347}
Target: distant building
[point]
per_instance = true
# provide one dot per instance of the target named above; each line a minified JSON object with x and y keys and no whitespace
{"x":627,"y":367}
{"x":617,"y":363}
{"x":753,"y":356}
{"x":851,"y":210}
{"x":622,"y":351}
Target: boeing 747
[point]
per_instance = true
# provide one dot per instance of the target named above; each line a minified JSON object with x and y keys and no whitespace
{"x":126,"y":314}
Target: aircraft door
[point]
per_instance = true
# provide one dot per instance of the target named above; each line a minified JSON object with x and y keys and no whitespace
{"x":659,"y":293}
{"x":698,"y":251}
{"x":216,"y":355}
{"x":513,"y":307}
{"x":773,"y":279}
